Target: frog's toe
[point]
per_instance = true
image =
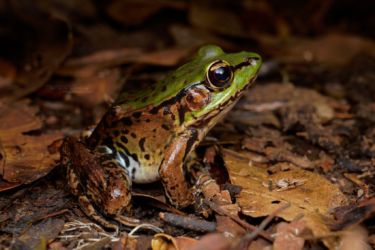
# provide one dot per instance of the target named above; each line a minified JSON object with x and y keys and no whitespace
{"x":127,"y":221}
{"x":90,"y":211}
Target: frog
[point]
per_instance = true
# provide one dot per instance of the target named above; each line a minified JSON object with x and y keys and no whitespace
{"x":148,"y":134}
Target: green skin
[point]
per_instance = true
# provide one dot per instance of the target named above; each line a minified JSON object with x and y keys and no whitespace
{"x":148,"y":134}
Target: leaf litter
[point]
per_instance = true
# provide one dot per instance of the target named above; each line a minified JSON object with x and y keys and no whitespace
{"x":294,"y":159}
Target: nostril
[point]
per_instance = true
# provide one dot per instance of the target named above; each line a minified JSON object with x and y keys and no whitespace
{"x":253,"y":60}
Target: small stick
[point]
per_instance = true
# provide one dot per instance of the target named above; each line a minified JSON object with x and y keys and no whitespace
{"x":251,"y":236}
{"x":187,"y":222}
{"x":235,"y":218}
{"x":50,"y":215}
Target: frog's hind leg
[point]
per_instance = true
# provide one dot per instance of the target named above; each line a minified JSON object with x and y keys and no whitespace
{"x":90,"y":211}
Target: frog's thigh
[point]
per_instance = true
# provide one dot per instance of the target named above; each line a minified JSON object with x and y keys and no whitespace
{"x":90,"y":211}
{"x":172,"y":174}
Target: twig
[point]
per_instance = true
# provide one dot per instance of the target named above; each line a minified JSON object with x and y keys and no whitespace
{"x":235,"y":218}
{"x":187,"y":222}
{"x":50,"y":215}
{"x":251,"y":236}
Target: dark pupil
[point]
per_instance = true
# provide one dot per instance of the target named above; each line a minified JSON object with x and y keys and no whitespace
{"x":221,"y":75}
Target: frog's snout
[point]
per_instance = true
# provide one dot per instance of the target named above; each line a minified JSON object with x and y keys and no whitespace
{"x":253,"y":60}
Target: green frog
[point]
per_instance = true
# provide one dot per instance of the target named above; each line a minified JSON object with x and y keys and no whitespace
{"x":148,"y":134}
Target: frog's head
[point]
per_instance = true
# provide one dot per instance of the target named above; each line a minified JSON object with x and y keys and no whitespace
{"x":213,"y":82}
{"x":200,"y":91}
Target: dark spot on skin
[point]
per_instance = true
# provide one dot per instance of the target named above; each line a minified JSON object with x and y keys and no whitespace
{"x":147,"y":156}
{"x":154,"y":130}
{"x":135,"y":157}
{"x":144,"y":99}
{"x":164,"y":88}
{"x":133,"y":172}
{"x":154,"y":110}
{"x":147,"y":120}
{"x":126,"y":121}
{"x":164,"y":126}
{"x":119,"y":145}
{"x":133,"y":135}
{"x":137,"y":114}
{"x":125,"y":131}
{"x":124,"y":139}
{"x":142,"y":144}
{"x":181,"y":114}
{"x":115,"y":133}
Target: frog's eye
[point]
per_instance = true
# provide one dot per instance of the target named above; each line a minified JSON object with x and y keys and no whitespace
{"x":219,"y":74}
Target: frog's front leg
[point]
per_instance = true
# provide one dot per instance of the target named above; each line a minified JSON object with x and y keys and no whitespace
{"x":171,"y":170}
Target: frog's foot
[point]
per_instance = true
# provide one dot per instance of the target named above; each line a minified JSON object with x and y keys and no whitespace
{"x":90,"y":211}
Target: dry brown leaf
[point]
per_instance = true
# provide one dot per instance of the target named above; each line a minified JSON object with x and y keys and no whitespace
{"x":217,"y":18}
{"x":288,"y":236}
{"x":167,"y":242}
{"x":87,"y":65}
{"x":213,"y":241}
{"x":228,"y":226}
{"x":355,"y":237}
{"x":37,"y":236}
{"x":93,"y":90}
{"x":314,"y":198}
{"x":24,"y":158}
{"x":332,"y":49}
{"x":167,"y":57}
{"x":129,"y":242}
{"x":354,"y":215}
{"x":36,"y":44}
{"x":8,"y":73}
